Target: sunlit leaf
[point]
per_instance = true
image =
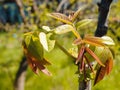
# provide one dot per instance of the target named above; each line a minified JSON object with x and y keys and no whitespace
{"x":96,"y":41}
{"x":51,"y":43}
{"x":63,"y":29}
{"x":46,"y":28}
{"x":83,"y":23}
{"x":61,"y":17}
{"x":107,"y":40}
{"x":46,"y":42}
{"x":43,"y":40}
{"x":94,"y":56}
{"x":34,"y":53}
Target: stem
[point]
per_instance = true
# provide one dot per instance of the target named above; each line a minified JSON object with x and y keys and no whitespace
{"x":100,"y":31}
{"x":85,"y":85}
{"x":64,"y":50}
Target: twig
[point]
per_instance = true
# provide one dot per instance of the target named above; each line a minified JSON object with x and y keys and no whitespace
{"x":65,"y":51}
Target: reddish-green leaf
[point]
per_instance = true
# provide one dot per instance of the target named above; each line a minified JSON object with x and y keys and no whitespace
{"x":77,"y":13}
{"x":61,"y":17}
{"x":109,"y":65}
{"x":103,"y":70}
{"x":35,"y":64}
{"x":100,"y":74}
{"x":94,"y":56}
{"x":80,"y":55}
{"x":96,"y":41}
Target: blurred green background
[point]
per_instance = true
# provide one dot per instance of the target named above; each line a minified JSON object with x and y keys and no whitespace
{"x":62,"y":68}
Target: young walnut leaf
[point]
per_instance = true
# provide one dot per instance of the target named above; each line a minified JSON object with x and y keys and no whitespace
{"x":46,"y":42}
{"x":96,"y":41}
{"x":63,"y":29}
{"x":34,"y":53}
{"x":100,"y":74}
{"x":83,"y":23}
{"x":107,"y":40}
{"x":109,"y":65}
{"x":61,"y":17}
{"x":94,"y":56}
{"x":102,"y":71}
{"x":77,"y":13}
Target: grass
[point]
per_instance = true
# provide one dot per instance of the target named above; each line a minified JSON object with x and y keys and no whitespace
{"x":62,"y":68}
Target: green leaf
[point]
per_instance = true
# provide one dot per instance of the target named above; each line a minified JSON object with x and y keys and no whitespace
{"x":34,"y":53}
{"x":51,"y":43}
{"x":46,"y":42}
{"x":82,"y":23}
{"x":33,"y":45}
{"x":61,"y":17}
{"x":63,"y":29}
{"x":103,"y":53}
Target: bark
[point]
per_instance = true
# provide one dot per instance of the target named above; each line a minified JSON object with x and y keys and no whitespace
{"x":101,"y":30}
{"x":102,"y":19}
{"x":21,"y":74}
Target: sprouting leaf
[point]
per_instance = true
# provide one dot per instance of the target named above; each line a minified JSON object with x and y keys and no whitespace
{"x":77,"y":13}
{"x":43,"y":40}
{"x":33,"y":45}
{"x":63,"y":29}
{"x":96,"y":41}
{"x":80,"y":55}
{"x":83,"y":23}
{"x":46,"y":42}
{"x":102,"y":71}
{"x":94,"y":56}
{"x":103,"y":53}
{"x":37,"y":64}
{"x":34,"y":53}
{"x":66,"y":28}
{"x":109,"y":65}
{"x":78,"y":41}
{"x":46,"y":28}
{"x":61,"y":17}
{"x":107,"y":40}
{"x":100,"y":74}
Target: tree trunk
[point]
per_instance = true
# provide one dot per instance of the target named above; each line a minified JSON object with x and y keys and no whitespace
{"x":21,"y":74}
{"x":101,"y":30}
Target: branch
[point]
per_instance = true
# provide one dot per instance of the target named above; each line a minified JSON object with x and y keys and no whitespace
{"x":102,"y":19}
{"x":65,"y":51}
{"x":20,"y":76}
